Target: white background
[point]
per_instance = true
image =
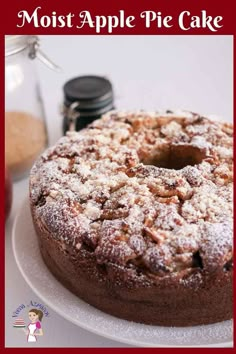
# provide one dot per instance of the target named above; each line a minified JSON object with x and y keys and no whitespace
{"x":148,"y":72}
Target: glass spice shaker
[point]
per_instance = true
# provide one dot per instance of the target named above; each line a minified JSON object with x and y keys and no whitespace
{"x":25,"y":127}
{"x":86,"y":98}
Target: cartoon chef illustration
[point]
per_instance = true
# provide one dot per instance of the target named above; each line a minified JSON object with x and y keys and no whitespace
{"x":34,"y":328}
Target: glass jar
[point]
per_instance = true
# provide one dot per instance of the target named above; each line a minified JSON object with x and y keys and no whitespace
{"x":25,"y":127}
{"x":86,"y":98}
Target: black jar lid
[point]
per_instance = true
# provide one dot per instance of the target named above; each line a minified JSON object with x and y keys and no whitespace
{"x":91,"y":92}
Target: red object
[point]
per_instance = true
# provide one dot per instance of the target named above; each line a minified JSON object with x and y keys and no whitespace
{"x":8,"y":193}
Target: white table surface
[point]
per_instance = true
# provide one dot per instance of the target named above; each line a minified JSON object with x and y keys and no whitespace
{"x":148,"y":72}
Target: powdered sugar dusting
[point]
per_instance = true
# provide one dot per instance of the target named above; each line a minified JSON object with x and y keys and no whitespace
{"x":101,"y":187}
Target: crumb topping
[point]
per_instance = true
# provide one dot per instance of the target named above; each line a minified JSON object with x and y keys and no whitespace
{"x":150,"y":191}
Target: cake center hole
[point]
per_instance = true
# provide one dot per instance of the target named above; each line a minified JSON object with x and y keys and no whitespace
{"x":176,"y":157}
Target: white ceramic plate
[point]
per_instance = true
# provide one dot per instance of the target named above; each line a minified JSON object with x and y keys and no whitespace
{"x":57,"y":297}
